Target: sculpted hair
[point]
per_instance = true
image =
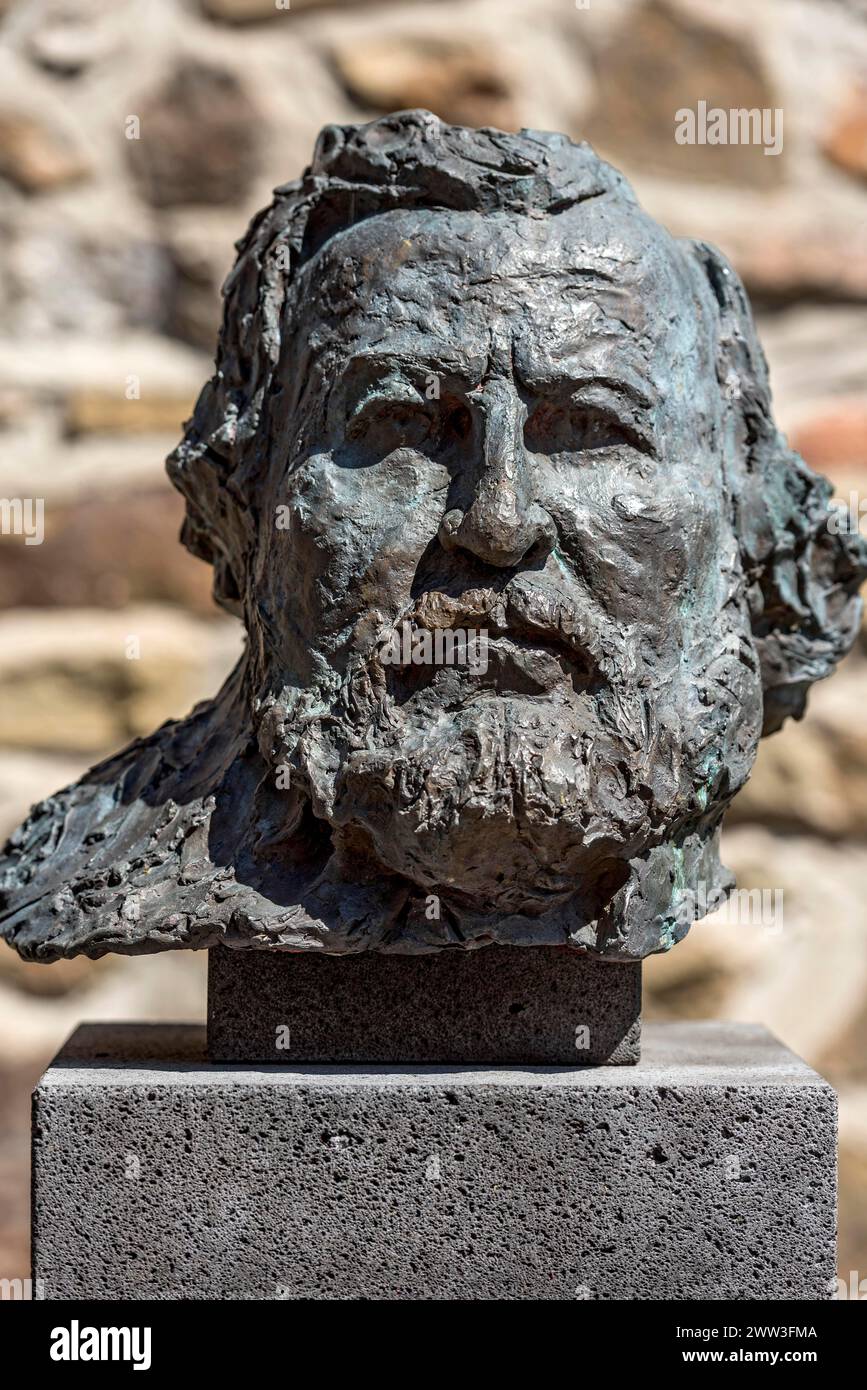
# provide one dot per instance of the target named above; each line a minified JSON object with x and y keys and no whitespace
{"x":802,"y":578}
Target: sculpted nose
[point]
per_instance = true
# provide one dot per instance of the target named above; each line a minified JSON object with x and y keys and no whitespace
{"x":503,"y":522}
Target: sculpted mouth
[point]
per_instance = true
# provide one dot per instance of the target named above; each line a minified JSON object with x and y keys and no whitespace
{"x":521,"y":666}
{"x":488,"y":642}
{"x":535,"y":616}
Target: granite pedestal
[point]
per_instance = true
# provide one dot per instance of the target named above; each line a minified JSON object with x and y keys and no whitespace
{"x":705,"y":1170}
{"x":495,"y":1006}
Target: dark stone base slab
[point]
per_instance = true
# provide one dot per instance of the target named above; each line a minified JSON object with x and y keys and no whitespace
{"x":706,"y":1171}
{"x":498,"y":1005}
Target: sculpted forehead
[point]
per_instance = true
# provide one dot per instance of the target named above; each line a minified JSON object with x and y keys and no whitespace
{"x":597,"y":282}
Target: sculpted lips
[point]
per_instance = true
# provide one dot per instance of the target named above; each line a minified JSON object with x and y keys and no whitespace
{"x":532,"y":639}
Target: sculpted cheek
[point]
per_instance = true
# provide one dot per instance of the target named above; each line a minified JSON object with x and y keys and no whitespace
{"x":355,"y":535}
{"x":659,"y":528}
{"x":633,"y":540}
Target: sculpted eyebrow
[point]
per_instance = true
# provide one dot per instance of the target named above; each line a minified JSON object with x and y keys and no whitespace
{"x":388,"y":388}
{"x":633,"y":390}
{"x":565,"y":378}
{"x":413,"y":364}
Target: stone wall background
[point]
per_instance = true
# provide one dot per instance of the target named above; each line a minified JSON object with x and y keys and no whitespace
{"x":112,"y":251}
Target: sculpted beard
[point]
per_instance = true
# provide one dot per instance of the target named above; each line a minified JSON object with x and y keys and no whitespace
{"x":516,"y":785}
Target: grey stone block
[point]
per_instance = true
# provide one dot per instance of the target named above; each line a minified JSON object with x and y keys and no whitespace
{"x":498,"y":1005}
{"x":707,"y":1170}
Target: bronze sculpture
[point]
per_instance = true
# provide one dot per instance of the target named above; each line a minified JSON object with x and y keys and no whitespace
{"x":465,"y":386}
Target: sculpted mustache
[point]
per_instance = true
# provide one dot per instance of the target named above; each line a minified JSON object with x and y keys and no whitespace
{"x":526,"y":615}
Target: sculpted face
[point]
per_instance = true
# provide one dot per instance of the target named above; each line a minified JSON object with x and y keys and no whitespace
{"x":482,"y":397}
{"x":494,"y":432}
{"x":464,"y":385}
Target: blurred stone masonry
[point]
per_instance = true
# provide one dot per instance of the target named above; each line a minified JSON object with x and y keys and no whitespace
{"x":112,"y":253}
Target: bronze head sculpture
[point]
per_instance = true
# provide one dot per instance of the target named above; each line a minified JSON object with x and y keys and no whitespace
{"x":464,"y":384}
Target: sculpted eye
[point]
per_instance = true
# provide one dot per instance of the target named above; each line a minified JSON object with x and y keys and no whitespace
{"x":387,"y":425}
{"x":564,"y":427}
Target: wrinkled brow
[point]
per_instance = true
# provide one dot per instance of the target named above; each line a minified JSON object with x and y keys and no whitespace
{"x":556,"y":378}
{"x":421,"y":358}
{"x":543,"y":373}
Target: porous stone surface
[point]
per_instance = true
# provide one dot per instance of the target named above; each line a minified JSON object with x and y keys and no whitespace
{"x":708,"y":1170}
{"x":497,"y":1006}
{"x":466,"y":392}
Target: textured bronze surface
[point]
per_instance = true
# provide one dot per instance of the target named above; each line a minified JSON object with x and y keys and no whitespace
{"x":464,"y":385}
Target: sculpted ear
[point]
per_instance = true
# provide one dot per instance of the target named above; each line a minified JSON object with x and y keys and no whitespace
{"x":802,"y":578}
